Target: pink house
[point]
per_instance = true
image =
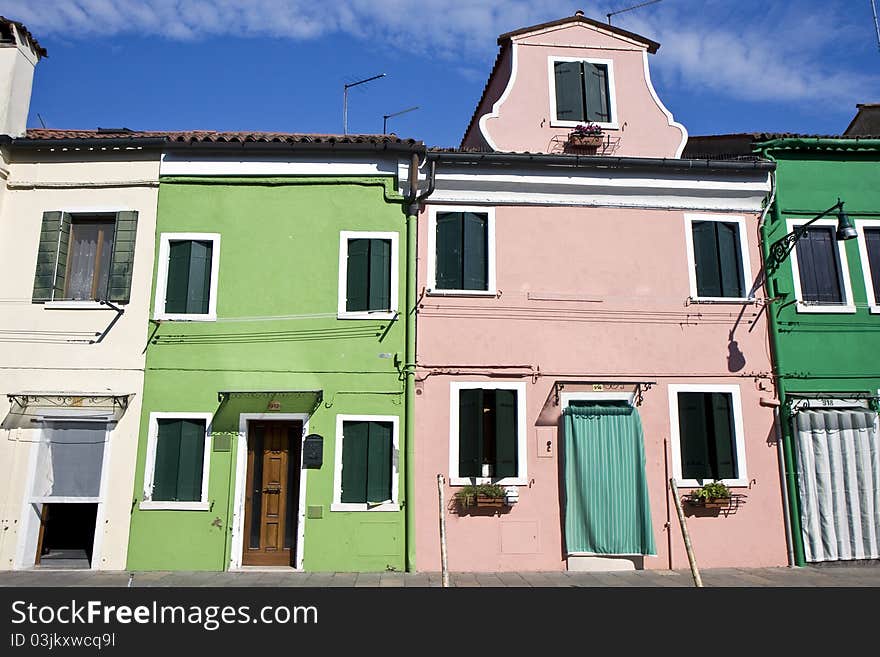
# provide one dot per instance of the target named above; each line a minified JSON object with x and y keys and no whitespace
{"x":589,"y":325}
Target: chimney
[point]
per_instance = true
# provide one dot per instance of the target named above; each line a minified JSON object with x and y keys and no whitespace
{"x":19,"y":54}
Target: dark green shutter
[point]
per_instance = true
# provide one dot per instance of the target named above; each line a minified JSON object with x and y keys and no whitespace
{"x":380,"y":275}
{"x":470,"y":433}
{"x":449,"y":250}
{"x":729,"y":260}
{"x":52,"y":256}
{"x":199,"y":292}
{"x":706,"y":259}
{"x":505,"y":434}
{"x":596,"y":91}
{"x":872,"y":244}
{"x":379,"y":462}
{"x":569,"y":91}
{"x":357,"y":288}
{"x":723,"y":465}
{"x":176,"y":290}
{"x":191,"y":461}
{"x":167,"y":460}
{"x":475,"y":248}
{"x":693,"y":429}
{"x":122,"y":260}
{"x":355,"y":447}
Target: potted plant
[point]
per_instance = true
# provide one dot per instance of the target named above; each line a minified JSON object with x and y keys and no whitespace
{"x":586,"y":135}
{"x":715,"y":495}
{"x":482,"y":495}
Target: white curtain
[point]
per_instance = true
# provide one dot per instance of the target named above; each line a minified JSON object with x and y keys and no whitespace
{"x":838,"y":470}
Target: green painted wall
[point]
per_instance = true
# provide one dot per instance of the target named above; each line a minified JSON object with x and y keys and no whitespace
{"x":279,"y":262}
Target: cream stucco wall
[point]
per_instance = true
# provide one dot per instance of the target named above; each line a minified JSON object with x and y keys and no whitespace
{"x":48,"y":350}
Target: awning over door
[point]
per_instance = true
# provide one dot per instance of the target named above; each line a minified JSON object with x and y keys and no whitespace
{"x":235,"y":402}
{"x":26,"y":408}
{"x":838,"y":470}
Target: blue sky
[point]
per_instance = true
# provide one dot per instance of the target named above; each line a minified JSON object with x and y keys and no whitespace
{"x":280,"y":65}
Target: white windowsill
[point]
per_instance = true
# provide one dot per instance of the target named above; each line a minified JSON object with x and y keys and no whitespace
{"x":557,"y":123}
{"x":815,"y":308}
{"x":75,"y":305}
{"x":461,"y":293}
{"x":350,"y":506}
{"x":695,"y":483}
{"x":733,"y":300}
{"x":174,"y":506}
{"x":182,"y":317}
{"x":475,"y":481}
{"x":381,"y":314}
{"x":874,"y":310}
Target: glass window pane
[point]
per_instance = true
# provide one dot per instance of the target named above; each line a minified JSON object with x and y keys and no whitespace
{"x":70,"y":460}
{"x":88,"y":264}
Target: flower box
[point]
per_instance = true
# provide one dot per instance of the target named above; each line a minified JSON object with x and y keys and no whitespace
{"x":585,"y":141}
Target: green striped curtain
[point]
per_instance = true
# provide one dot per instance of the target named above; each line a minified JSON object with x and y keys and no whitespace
{"x":607,"y":510}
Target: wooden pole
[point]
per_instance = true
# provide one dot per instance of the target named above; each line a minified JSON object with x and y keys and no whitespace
{"x":444,"y":568}
{"x":698,"y":581}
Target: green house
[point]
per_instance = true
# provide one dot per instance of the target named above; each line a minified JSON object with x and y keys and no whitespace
{"x":274,"y":430}
{"x":821,"y":247}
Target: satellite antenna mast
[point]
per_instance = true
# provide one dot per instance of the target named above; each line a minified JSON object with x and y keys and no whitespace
{"x":345,"y":99}
{"x":622,"y":11}
{"x":876,"y":24}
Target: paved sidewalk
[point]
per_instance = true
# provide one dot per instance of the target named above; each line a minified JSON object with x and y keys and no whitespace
{"x":867,"y":574}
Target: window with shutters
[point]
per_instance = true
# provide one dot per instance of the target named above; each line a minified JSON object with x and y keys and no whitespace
{"x":707,"y":434}
{"x":178,"y":454}
{"x":581,"y":91}
{"x":869,"y":251}
{"x":186,"y":285}
{"x":718,"y":258}
{"x":366,"y":463}
{"x":820,"y":270}
{"x":488,"y":433}
{"x":368,"y":275}
{"x":85,"y":257}
{"x":461,"y":250}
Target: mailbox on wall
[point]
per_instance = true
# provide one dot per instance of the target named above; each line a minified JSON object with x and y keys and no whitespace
{"x":313,"y":451}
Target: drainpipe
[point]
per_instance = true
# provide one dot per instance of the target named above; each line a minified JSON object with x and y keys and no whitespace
{"x":412,"y":200}
{"x":793,"y":510}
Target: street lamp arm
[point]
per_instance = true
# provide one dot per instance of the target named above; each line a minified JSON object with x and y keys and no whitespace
{"x":781,"y":248}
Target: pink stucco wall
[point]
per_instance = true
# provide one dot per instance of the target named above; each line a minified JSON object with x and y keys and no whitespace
{"x":629,"y":261}
{"x":524,"y":121}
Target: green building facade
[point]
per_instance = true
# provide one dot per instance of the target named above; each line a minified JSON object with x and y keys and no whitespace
{"x":273,"y":430}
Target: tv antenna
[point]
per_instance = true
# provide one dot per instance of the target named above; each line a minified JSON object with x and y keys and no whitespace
{"x":385,"y":117}
{"x":345,"y":99}
{"x":644,"y":4}
{"x":876,"y":24}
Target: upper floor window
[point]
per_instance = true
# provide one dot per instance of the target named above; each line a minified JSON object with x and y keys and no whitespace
{"x":368,"y":275}
{"x":869,"y":249}
{"x":186,"y":286}
{"x":719,"y":258}
{"x":582,"y":90}
{"x":461,"y":251}
{"x":820,"y":270}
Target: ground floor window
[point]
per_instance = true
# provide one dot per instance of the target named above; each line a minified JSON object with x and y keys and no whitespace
{"x":176,"y":475}
{"x":366,"y":463}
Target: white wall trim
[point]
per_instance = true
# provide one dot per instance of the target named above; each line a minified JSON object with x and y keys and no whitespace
{"x":742,"y":479}
{"x":147,"y":502}
{"x":496,"y":107}
{"x":861,"y":225}
{"x":165,"y":240}
{"x":237,"y":542}
{"x":848,"y":306}
{"x":669,"y":118}
{"x":567,"y":397}
{"x":394,"y":503}
{"x":612,"y":95}
{"x":491,"y":282}
{"x":173,"y":164}
{"x":344,"y":237}
{"x":745,"y":263}
{"x":522,"y":478}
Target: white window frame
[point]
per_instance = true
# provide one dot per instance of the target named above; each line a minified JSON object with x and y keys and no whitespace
{"x":861,"y":224}
{"x":522,"y":453}
{"x":147,"y":503}
{"x":394,"y":503}
{"x":567,"y":397}
{"x":746,"y":264}
{"x":165,"y":240}
{"x":848,"y":306}
{"x":344,"y":237}
{"x":489,"y":211}
{"x":742,"y":478}
{"x":612,"y":96}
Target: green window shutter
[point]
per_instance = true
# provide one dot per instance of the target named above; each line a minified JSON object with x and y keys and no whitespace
{"x":569,"y":91}
{"x":449,"y":250}
{"x":470,"y":432}
{"x":191,"y":460}
{"x":355,"y":447}
{"x":505,"y":433}
{"x":721,"y":443}
{"x":357,"y":288}
{"x":199,"y":292}
{"x":122,"y":260}
{"x":380,"y":275}
{"x":693,"y":429}
{"x":729,"y":260}
{"x":596,"y":91}
{"x":379,"y":462}
{"x":167,"y":461}
{"x":176,"y":290}
{"x":476,"y":263}
{"x":52,"y":256}
{"x":706,"y":259}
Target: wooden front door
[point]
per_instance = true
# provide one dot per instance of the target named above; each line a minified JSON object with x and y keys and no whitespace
{"x":272,"y":499}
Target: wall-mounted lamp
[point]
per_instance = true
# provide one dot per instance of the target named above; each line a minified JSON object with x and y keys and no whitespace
{"x":781,"y":248}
